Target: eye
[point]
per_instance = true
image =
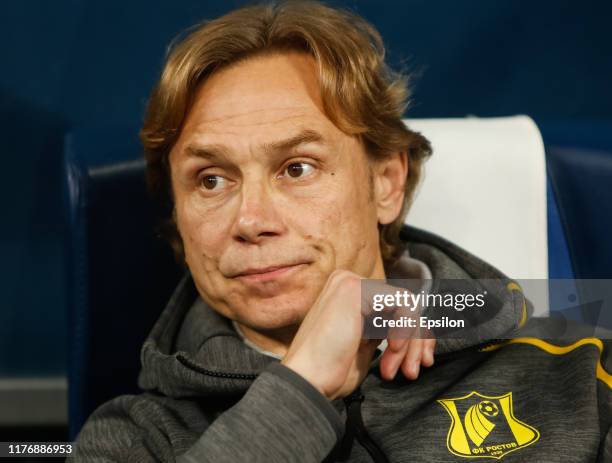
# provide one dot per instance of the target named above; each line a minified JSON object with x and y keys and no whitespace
{"x":298,"y":169}
{"x":213,"y":182}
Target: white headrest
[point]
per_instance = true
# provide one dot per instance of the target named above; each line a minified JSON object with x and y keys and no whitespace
{"x":484,"y":188}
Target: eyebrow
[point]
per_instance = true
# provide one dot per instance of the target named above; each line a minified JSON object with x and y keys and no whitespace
{"x":305,"y":136}
{"x":219,"y":151}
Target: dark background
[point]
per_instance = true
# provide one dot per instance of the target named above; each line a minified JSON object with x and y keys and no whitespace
{"x":68,"y":64}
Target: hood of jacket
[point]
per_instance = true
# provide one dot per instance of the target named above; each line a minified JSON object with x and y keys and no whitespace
{"x":193,"y":351}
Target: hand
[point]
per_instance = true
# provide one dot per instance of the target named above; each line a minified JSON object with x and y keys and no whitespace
{"x":328,"y":349}
{"x":407,"y":354}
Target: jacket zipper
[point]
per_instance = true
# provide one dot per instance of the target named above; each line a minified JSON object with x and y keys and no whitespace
{"x":355,"y":428}
{"x":252,"y":376}
{"x":217,"y":374}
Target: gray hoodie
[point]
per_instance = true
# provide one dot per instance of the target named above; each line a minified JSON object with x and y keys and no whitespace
{"x":208,"y":397}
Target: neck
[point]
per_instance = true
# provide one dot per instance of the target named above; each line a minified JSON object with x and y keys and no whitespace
{"x":276,"y":342}
{"x":279,"y":340}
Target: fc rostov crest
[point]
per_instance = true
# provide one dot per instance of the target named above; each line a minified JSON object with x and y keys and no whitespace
{"x":485,"y":426}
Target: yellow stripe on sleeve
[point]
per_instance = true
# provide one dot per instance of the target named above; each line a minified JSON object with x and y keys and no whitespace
{"x":553,"y":349}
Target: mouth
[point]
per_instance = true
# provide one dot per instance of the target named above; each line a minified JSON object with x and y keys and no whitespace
{"x":260,"y":275}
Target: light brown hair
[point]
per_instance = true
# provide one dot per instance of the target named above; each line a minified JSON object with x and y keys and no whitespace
{"x":361,"y":95}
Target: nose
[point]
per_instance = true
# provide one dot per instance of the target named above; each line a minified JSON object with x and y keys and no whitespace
{"x":257,"y":218}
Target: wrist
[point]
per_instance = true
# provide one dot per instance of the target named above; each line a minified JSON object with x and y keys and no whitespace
{"x":305,"y":373}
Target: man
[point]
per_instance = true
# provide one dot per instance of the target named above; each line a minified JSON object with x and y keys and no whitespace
{"x":276,"y":134}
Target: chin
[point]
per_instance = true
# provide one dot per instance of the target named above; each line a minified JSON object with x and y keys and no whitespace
{"x":274,"y":313}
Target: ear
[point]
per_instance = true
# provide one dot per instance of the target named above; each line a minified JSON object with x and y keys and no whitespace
{"x":389,"y":181}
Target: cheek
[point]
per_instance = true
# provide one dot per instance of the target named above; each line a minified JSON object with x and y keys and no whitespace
{"x":317,"y":213}
{"x":341,"y":214}
{"x":202,"y":231}
{"x":348,"y":209}
{"x":204,"y":237}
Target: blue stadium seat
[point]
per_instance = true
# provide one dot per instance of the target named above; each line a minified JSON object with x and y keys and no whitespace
{"x":120,"y":274}
{"x":579,"y":161}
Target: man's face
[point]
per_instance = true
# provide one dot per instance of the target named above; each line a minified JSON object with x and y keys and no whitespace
{"x":270,"y":196}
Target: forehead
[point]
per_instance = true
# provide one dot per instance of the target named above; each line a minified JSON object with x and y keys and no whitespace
{"x":258,"y":99}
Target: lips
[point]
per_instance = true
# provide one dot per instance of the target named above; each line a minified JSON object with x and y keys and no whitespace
{"x":257,"y":271}
{"x":268,"y":273}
